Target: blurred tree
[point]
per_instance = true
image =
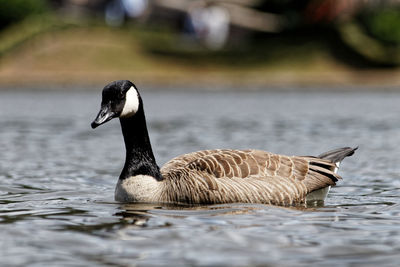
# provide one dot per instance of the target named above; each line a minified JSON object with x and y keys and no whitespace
{"x":383,"y":24}
{"x":12,"y":11}
{"x":374,"y":33}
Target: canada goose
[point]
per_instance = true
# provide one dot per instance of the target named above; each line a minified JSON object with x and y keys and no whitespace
{"x":210,"y":176}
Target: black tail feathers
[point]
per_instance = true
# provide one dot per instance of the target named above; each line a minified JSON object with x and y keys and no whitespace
{"x":337,"y":155}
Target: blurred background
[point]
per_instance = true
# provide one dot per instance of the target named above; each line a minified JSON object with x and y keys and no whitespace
{"x":245,"y":44}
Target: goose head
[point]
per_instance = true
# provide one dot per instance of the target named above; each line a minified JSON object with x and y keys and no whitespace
{"x":120,"y":99}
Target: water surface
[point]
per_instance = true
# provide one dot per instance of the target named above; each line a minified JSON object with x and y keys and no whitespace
{"x":57,"y":179}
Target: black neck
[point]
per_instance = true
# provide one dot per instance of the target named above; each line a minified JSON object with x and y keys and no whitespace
{"x":139,"y":155}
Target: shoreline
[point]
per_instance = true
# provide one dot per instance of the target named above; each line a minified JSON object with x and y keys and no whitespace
{"x":358,"y":81}
{"x":88,"y":57}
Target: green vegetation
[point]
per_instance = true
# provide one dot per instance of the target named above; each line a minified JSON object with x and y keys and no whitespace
{"x":25,"y":30}
{"x":272,"y":52}
{"x":13,"y":11}
{"x":42,"y":47}
{"x":375,"y":35}
{"x":167,"y":45}
{"x":383,"y":24}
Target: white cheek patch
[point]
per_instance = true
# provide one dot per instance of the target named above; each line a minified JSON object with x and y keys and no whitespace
{"x":131,"y":103}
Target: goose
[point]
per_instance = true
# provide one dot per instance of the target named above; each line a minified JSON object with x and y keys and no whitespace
{"x":210,"y":176}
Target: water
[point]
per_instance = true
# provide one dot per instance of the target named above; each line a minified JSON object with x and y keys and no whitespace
{"x":57,"y":179}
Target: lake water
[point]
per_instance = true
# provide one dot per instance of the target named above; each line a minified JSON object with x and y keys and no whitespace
{"x":57,"y":179}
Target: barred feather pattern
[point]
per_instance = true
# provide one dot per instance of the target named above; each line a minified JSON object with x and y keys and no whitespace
{"x":247,"y":176}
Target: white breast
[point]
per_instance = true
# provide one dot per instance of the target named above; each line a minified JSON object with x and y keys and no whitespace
{"x":140,"y":188}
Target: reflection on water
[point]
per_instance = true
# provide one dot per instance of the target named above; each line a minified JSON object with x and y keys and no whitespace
{"x":57,"y":180}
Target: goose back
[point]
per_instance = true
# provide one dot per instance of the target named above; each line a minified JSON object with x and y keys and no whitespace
{"x":251,"y":176}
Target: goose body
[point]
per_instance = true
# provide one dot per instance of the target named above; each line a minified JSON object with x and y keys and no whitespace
{"x":210,"y":176}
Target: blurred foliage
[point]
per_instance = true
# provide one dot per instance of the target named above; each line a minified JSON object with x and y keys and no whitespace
{"x":368,"y":37}
{"x":281,"y":6}
{"x":13,"y":11}
{"x":382,"y":24}
{"x":18,"y":33}
{"x":374,"y":34}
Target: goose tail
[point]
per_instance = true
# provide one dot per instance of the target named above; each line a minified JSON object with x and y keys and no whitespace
{"x":337,"y":155}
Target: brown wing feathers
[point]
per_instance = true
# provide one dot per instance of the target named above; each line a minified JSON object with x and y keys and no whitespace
{"x":219,"y":176}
